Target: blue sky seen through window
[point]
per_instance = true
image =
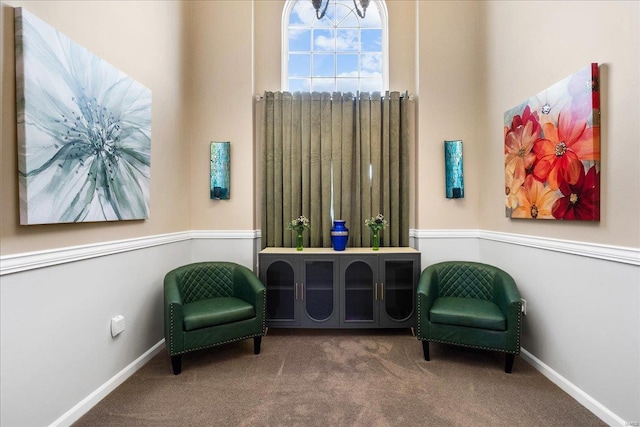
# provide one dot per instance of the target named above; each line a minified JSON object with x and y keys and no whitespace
{"x":340,"y":52}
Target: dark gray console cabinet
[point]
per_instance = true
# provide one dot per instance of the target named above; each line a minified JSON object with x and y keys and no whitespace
{"x":355,"y":288}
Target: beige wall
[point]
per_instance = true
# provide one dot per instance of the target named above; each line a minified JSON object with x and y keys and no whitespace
{"x":220,"y":108}
{"x":449,"y":84}
{"x":467,"y":62}
{"x":522,"y":59}
{"x":479,"y":59}
{"x":145,"y":41}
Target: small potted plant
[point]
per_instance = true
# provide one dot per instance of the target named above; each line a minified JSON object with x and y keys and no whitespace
{"x":376,"y":224}
{"x":299,"y":225}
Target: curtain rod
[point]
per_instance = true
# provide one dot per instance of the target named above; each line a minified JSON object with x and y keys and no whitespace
{"x":261,"y":97}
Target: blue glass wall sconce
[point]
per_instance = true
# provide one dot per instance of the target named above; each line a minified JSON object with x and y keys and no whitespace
{"x":453,"y":169}
{"x":220,"y":170}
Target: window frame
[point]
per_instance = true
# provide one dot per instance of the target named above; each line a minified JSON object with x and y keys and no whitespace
{"x":286,"y":14}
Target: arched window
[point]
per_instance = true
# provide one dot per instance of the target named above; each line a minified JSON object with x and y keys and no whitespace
{"x":339,"y":52}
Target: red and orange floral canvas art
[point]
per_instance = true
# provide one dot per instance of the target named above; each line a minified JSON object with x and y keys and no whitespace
{"x":552,"y":151}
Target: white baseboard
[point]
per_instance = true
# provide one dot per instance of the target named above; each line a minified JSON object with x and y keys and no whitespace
{"x":578,"y":394}
{"x":74,"y":414}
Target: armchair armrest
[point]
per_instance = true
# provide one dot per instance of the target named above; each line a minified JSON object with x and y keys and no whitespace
{"x":249,"y":288}
{"x":427,"y":292}
{"x":505,"y":291}
{"x":507,"y":297}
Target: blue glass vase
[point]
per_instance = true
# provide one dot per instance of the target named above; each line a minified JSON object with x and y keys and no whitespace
{"x":339,"y":235}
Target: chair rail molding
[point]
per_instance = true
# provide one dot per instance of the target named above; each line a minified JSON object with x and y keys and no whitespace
{"x":15,"y":263}
{"x":622,"y":254}
{"x":225,"y":234}
{"x":625,"y":255}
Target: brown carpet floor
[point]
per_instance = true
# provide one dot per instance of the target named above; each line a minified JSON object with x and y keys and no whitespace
{"x":338,"y":378}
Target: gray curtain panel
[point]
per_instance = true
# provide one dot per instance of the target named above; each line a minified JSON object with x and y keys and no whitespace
{"x":335,"y":156}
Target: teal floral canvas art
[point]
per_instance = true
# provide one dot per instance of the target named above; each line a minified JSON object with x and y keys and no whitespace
{"x":84,"y":131}
{"x":552,"y":151}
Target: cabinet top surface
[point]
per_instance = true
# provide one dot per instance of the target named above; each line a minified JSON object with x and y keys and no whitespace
{"x":347,"y":251}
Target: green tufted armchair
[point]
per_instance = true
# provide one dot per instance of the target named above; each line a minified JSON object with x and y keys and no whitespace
{"x":211,"y":303}
{"x":469,"y":304}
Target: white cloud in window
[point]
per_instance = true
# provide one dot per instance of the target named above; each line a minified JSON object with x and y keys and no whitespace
{"x":371,"y":63}
{"x":294,"y":33}
{"x":362,"y":73}
{"x":372,"y":18}
{"x":346,"y":41}
{"x":302,"y":14}
{"x":324,"y":42}
{"x":371,"y":85}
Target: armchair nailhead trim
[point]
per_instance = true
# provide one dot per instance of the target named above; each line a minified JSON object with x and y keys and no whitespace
{"x":217,"y":344}
{"x":419,"y":316}
{"x":171,"y":315}
{"x":472,"y":346}
{"x":519,"y":326}
{"x":264,"y":312}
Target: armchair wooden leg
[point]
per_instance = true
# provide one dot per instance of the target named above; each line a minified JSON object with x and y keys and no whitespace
{"x":508,"y":364}
{"x":176,"y":363}
{"x":425,"y":349}
{"x":256,"y":344}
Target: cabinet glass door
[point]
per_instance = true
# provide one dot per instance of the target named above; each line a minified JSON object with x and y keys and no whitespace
{"x":398,"y":289}
{"x":281,"y":296}
{"x":318,"y":292}
{"x":358,"y":292}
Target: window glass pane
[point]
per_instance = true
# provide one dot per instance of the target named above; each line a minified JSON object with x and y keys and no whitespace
{"x":324,"y":85}
{"x":302,"y":13}
{"x":345,"y":15}
{"x":371,"y":84}
{"x":299,"y":85}
{"x":323,"y":65}
{"x":328,"y":20}
{"x":347,"y":65}
{"x":371,"y":40}
{"x":323,"y":40}
{"x":372,"y":19}
{"x":329,"y":47}
{"x":371,"y":64}
{"x":347,"y":40}
{"x":347,"y":85}
{"x":299,"y":40}
{"x":299,"y":65}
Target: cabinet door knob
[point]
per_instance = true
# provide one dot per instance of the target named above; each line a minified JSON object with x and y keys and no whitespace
{"x":296,"y":292}
{"x":375,"y":292}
